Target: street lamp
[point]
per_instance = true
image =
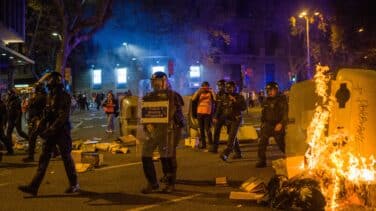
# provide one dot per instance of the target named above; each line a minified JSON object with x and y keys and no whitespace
{"x":55,"y":34}
{"x":306,"y":17}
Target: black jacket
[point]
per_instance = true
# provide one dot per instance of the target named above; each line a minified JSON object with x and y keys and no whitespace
{"x":56,"y":114}
{"x":37,"y":104}
{"x":229,"y":109}
{"x":275,"y":110}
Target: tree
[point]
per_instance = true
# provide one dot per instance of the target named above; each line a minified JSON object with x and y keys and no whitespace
{"x":77,"y":26}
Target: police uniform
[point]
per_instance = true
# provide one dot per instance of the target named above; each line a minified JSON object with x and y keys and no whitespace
{"x":3,"y":138}
{"x":274,"y":111}
{"x":56,"y":132}
{"x":165,"y":137}
{"x":229,"y":114}
{"x":219,"y":98}
{"x":36,"y":105}
{"x":14,"y":117}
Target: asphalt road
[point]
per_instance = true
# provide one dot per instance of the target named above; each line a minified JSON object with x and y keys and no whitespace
{"x":116,"y":185}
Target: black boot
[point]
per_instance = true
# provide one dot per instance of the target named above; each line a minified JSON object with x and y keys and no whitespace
{"x":261,"y":164}
{"x":150,"y":189}
{"x":28,"y":189}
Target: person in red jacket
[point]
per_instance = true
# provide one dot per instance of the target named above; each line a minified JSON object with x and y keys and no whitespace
{"x":110,"y":107}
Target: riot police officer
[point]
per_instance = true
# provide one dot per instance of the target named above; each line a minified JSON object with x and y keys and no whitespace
{"x":56,"y":132}
{"x":229,"y":111}
{"x":164,"y":136}
{"x":13,"y":105}
{"x":3,"y":139}
{"x":219,"y":98}
{"x":36,"y":106}
{"x":273,"y":121}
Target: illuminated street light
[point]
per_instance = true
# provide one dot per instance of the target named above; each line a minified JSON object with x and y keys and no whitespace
{"x":306,"y":17}
{"x":361,"y":30}
{"x":55,"y":34}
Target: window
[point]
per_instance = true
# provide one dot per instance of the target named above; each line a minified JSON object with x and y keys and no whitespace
{"x":97,"y":76}
{"x":121,"y":74}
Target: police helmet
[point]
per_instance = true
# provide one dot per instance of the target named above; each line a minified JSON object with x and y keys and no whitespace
{"x":221,"y":82}
{"x":54,"y":79}
{"x":230,"y":86}
{"x":272,"y":85}
{"x":159,"y":81}
{"x":158,"y":75}
{"x":205,"y":83}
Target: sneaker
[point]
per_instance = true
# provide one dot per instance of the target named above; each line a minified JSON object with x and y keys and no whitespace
{"x":73,"y":189}
{"x":28,"y":159}
{"x":168,"y":189}
{"x":223,"y":157}
{"x":260,"y":164}
{"x":237,"y":156}
{"x":150,"y":189}
{"x":28,"y":189}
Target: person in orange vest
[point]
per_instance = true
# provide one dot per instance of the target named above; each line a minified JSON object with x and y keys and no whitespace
{"x":205,"y":98}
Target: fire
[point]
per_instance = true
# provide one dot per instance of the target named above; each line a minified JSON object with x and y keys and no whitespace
{"x":329,"y":158}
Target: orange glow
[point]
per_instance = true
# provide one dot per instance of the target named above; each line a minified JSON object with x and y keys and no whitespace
{"x":329,"y":157}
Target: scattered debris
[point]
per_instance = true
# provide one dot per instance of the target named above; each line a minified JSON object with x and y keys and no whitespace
{"x":89,"y":146}
{"x":221,"y":181}
{"x":254,"y":185}
{"x":245,"y":196}
{"x":156,"y":156}
{"x":76,"y":155}
{"x":129,"y":140}
{"x":123,"y":150}
{"x":83,"y":167}
{"x":192,"y":142}
{"x":93,"y":158}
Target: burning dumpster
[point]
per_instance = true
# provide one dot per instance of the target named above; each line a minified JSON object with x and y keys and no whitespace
{"x":339,"y":157}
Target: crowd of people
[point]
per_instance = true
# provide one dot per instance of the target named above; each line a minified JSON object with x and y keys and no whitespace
{"x":225,"y":108}
{"x":48,"y":118}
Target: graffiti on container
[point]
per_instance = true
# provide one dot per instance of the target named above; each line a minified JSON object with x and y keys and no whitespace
{"x":363,"y":113}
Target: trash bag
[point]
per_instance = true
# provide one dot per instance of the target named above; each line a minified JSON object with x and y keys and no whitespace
{"x":303,"y":193}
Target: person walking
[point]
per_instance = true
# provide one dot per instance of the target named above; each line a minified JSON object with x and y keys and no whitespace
{"x":230,"y":112}
{"x":56,"y":132}
{"x":162,"y":134}
{"x":220,"y":122}
{"x":110,"y":107}
{"x":205,"y":98}
{"x":37,"y":104}
{"x":14,"y":115}
{"x":3,"y":138}
{"x":273,"y":121}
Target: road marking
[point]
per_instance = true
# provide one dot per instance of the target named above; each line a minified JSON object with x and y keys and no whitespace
{"x":4,"y":184}
{"x":118,"y":166}
{"x":167,"y":202}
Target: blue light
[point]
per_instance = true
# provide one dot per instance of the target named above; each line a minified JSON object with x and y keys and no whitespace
{"x":97,"y":76}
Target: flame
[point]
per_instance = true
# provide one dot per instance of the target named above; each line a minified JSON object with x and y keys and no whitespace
{"x":330,"y":155}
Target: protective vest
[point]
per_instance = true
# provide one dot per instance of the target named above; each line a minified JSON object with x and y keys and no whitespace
{"x":205,"y":103}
